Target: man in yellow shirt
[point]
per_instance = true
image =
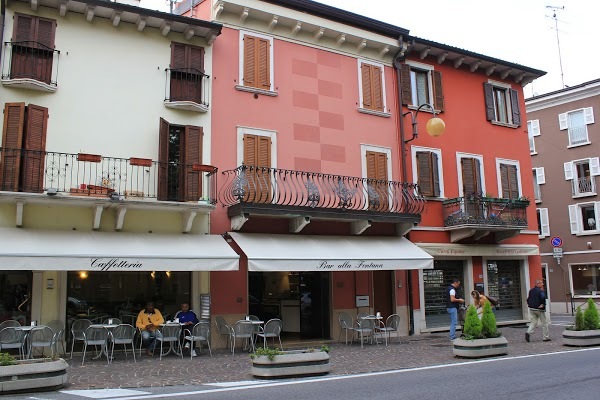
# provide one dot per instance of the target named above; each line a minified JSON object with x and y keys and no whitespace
{"x":148,"y":321}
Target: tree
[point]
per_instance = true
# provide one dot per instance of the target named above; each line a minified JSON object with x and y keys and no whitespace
{"x":473,"y":325}
{"x":591,"y":320}
{"x":488,"y":322}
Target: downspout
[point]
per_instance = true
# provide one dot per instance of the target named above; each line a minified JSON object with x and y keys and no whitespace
{"x":399,"y":57}
{"x":2,"y":18}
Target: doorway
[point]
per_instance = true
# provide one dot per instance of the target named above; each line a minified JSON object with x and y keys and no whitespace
{"x":383,"y":283}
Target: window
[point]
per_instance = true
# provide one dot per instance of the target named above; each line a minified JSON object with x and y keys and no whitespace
{"x":422,"y":84}
{"x":186,"y":74}
{"x":257,"y":157}
{"x":502,"y":104}
{"x":180,"y":156}
{"x":576,"y":123}
{"x":585,"y":279}
{"x":256,"y":57}
{"x":23,"y":148}
{"x":377,"y":180}
{"x":539,"y":178}
{"x":427,"y":171}
{"x":371,"y":86}
{"x":543,"y":223}
{"x":470,"y":174}
{"x":509,"y":186}
{"x":533,"y":130}
{"x":32,"y":48}
{"x":582,"y":175}
{"x":583,"y":218}
{"x":15,"y":298}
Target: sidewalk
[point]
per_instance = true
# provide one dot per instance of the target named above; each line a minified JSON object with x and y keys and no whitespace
{"x":415,"y":351}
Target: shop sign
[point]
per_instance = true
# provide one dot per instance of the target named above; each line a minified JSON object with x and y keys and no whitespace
{"x":348,"y":265}
{"x":104,"y":264}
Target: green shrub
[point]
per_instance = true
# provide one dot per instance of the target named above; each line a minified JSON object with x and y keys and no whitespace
{"x":325,"y":348}
{"x":270,"y":353}
{"x":591,"y":320}
{"x":488,"y":322}
{"x":472,"y":329}
{"x":6,"y":359}
{"x":578,"y":319}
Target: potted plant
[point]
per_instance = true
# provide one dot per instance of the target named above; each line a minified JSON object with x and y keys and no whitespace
{"x":275,"y":363}
{"x":31,"y":374}
{"x":481,"y":337}
{"x":586,"y":331}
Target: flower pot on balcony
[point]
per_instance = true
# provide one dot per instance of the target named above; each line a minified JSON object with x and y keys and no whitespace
{"x":291,"y":363}
{"x":30,"y":375}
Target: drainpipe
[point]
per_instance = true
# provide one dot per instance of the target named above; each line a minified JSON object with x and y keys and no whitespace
{"x":399,"y":57}
{"x":2,"y":18}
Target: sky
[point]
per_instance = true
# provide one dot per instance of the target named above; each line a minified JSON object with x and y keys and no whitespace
{"x":519,"y":31}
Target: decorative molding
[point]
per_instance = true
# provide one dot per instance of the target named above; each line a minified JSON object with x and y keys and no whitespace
{"x":424,"y":53}
{"x":218,"y":9}
{"x":341,"y":39}
{"x":298,"y":223}
{"x":89,"y":13}
{"x":273,"y":23}
{"x":384,"y":50}
{"x":318,"y":34}
{"x":505,"y":73}
{"x":237,"y":221}
{"x":249,"y":89}
{"x":97,"y":216}
{"x":211,"y":38}
{"x":120,"y":217}
{"x":296,"y":28}
{"x":461,"y":234}
{"x":34,"y":5}
{"x":490,"y":70}
{"x":403,"y":228}
{"x":358,"y":227}
{"x":188,"y":33}
{"x":19,"y":216}
{"x":115,"y":18}
{"x":480,"y":234}
{"x":165,"y":28}
{"x":519,"y":77}
{"x":62,"y":8}
{"x":442,"y":57}
{"x":361,"y":45}
{"x":458,"y":62}
{"x":188,"y":220}
{"x":244,"y":15}
{"x":475,"y":65}
{"x":141,"y":23}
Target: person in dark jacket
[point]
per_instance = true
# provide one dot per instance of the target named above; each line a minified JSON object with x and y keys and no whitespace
{"x":453,"y":301}
{"x":536,"y":301}
{"x":187,"y":318}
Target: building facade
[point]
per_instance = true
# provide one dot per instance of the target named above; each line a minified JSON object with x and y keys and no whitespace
{"x":564,"y":155}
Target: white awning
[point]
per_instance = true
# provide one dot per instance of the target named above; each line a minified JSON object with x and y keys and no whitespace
{"x":24,"y":249}
{"x":268,"y":252}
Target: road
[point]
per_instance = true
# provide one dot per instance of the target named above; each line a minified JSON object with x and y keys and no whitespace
{"x":573,"y":374}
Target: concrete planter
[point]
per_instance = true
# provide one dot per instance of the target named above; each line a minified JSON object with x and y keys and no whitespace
{"x":291,"y":363}
{"x":31,"y":375}
{"x":480,"y":347}
{"x":581,"y":338}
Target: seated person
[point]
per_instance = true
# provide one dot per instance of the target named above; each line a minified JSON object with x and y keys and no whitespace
{"x":479,"y":301}
{"x":148,"y":321}
{"x":188,"y":319}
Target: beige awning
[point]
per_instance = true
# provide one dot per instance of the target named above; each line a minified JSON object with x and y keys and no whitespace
{"x":485,"y":250}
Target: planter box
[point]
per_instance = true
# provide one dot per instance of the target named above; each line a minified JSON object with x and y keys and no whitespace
{"x":31,"y":375}
{"x":581,"y":338}
{"x":292,"y":363}
{"x":480,"y":347}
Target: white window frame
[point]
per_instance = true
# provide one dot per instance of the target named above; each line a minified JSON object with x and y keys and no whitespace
{"x":544,"y":222}
{"x":533,"y":130}
{"x":240,"y":85}
{"x":438,"y":152}
{"x":578,"y":265}
{"x":571,"y":175}
{"x":460,"y":156}
{"x":362,"y":109}
{"x":241,"y":130}
{"x":576,"y":223}
{"x":539,"y":179}
{"x":505,"y":87}
{"x":500,"y":161}
{"x":588,"y":118}
{"x":429,"y":70}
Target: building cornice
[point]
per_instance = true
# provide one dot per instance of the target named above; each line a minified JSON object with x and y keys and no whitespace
{"x":563,"y":96}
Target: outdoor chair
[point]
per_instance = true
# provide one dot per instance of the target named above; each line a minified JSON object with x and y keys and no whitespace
{"x":115,"y":321}
{"x":169,"y":334}
{"x":365,"y":328}
{"x":58,"y":327}
{"x":123,"y":334}
{"x":12,"y":338}
{"x":243,"y":330}
{"x":77,"y":329}
{"x":392,"y":323}
{"x":272,"y":329}
{"x":199,"y":333}
{"x":346,"y":325}
{"x":223,"y":329}
{"x":95,"y":336}
{"x":128,"y":318}
{"x":9,"y":323}
{"x":41,"y":337}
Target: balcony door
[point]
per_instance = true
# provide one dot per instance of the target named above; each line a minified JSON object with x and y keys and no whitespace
{"x":377,"y":184}
{"x":471,"y":185}
{"x":257,"y":159}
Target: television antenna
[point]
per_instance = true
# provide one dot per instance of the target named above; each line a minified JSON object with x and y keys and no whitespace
{"x":554,"y":9}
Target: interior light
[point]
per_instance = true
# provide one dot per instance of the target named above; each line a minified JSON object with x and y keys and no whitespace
{"x":153,"y":274}
{"x":168,"y":273}
{"x":83,"y":274}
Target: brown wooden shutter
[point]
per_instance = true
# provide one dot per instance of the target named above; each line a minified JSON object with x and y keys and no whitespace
{"x":365,"y":71}
{"x":263,"y":64}
{"x":24,"y":28}
{"x":377,"y":88}
{"x":192,"y":155}
{"x":250,"y":61}
{"x":469,"y":176}
{"x":424,"y":173}
{"x":257,"y":156}
{"x":178,"y":55}
{"x":509,"y":181}
{"x":514,"y":105}
{"x":377,"y":170}
{"x":35,"y":145}
{"x":504,"y":181}
{"x":435,"y":174}
{"x":438,"y":91}
{"x":196,"y":59}
{"x":12,"y":138}
{"x":163,"y":161}
{"x":45,"y":32}
{"x":406,"y":87}
{"x":488,"y":92}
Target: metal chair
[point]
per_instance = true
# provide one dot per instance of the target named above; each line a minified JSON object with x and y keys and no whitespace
{"x":95,"y":336}
{"x":123,"y":334}
{"x":169,"y":334}
{"x":12,"y":338}
{"x":272,"y":329}
{"x":41,"y":337}
{"x":392,"y":323}
{"x":77,"y":331}
{"x":346,"y":325}
{"x":365,"y":328}
{"x":9,"y":323}
{"x":223,"y":329}
{"x":58,"y":327}
{"x":242,"y":330}
{"x":115,"y":321}
{"x":199,"y":333}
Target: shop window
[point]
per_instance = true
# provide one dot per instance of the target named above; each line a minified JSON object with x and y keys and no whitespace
{"x":585,"y":279}
{"x":15,"y":296}
{"x":435,"y":282}
{"x":576,"y":122}
{"x":502,"y":104}
{"x":504,"y":283}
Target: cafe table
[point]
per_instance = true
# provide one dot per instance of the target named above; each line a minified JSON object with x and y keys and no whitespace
{"x":104,"y":348}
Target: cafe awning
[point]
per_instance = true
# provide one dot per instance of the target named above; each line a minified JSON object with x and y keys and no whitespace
{"x":25,"y":249}
{"x":268,"y":252}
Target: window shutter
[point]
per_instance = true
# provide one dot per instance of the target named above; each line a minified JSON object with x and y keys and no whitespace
{"x":178,"y":55}
{"x":12,"y":139}
{"x":488,"y":91}
{"x":263,"y":64}
{"x":192,"y":155}
{"x":544,"y":222}
{"x":377,"y":88}
{"x":163,"y":160}
{"x":24,"y":29}
{"x":573,"y":218}
{"x":588,"y":113}
{"x":250,"y":61}
{"x":595,"y":166}
{"x":35,"y":143}
{"x":250,"y":150}
{"x":264,"y":152}
{"x":196,"y":59}
{"x":435,"y":174}
{"x":563,"y":122}
{"x":513,"y":181}
{"x":365,"y":70}
{"x":377,"y":170}
{"x":568,"y":171}
{"x":406,"y":87}
{"x":438,"y":92}
{"x":535,"y":128}
{"x":504,"y":181}
{"x":382,"y":167}
{"x":45,"y":31}
{"x":371,"y":165}
{"x":514,"y":105}
{"x":469,"y":186}
{"x":424,"y":173}
{"x":477,"y":174}
{"x":540,"y":175}
{"x":257,"y":154}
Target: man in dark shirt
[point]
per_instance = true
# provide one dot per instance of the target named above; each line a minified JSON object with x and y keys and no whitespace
{"x":452,"y":303}
{"x":536,"y":301}
{"x":187,"y":318}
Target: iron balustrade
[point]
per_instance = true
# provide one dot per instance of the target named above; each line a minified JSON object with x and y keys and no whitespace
{"x":93,"y":175}
{"x":187,"y":84}
{"x":251,"y":184}
{"x":485,"y":211}
{"x":585,"y":185}
{"x":30,"y":60}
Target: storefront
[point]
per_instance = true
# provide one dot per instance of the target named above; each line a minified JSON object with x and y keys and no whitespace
{"x":15,"y":296}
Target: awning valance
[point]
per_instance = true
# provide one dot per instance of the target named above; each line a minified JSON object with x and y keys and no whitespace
{"x":484,"y":250}
{"x":25,"y":249}
{"x":267,"y":252}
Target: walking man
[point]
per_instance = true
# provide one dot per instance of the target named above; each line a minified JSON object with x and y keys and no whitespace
{"x":452,"y":303}
{"x":536,"y":301}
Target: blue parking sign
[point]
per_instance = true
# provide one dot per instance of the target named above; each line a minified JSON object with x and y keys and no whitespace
{"x":556,"y":241}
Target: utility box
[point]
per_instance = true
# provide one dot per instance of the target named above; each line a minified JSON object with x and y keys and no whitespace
{"x":362,"y":301}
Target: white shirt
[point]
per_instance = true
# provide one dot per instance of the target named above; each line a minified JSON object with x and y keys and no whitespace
{"x":452,"y":292}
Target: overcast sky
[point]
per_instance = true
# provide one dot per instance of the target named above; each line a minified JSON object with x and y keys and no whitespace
{"x":520,"y":31}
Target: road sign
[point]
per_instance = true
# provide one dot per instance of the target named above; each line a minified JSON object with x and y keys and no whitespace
{"x":558,"y":252}
{"x":556,"y":241}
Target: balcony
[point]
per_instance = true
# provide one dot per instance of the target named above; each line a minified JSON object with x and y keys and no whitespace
{"x":301,"y":196}
{"x":585,"y":186}
{"x":187,"y":89}
{"x":96,"y":181}
{"x":476,"y":217}
{"x":30,"y":65}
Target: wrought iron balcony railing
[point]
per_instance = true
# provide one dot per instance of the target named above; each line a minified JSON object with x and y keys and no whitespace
{"x":30,"y":60}
{"x":93,"y":175}
{"x":187,"y":84}
{"x":250,"y":184}
{"x":585,"y":185}
{"x":485,"y":211}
